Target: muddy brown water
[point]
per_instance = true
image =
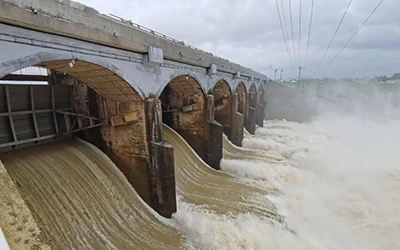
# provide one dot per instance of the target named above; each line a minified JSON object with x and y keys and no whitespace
{"x":80,"y":199}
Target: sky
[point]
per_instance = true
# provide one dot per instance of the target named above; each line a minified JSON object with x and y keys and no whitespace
{"x":248,"y":32}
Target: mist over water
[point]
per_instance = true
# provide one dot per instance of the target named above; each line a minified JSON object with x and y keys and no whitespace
{"x":338,"y":187}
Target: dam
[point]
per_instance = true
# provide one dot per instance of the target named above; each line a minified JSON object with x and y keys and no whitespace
{"x":109,"y":95}
{"x":115,"y":136}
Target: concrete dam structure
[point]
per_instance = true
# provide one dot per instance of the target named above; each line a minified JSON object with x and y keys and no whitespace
{"x":114,"y":84}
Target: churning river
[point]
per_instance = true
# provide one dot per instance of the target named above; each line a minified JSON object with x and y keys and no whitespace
{"x":330,"y":184}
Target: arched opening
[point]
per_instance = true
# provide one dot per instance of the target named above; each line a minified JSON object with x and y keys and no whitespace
{"x":184,"y":109}
{"x":253,"y":96}
{"x":223,"y":105}
{"x":261,"y":94}
{"x":242,"y":97}
{"x":81,"y":99}
{"x":81,"y":188}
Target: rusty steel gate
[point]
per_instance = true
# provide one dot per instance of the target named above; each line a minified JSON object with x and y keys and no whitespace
{"x":32,"y":114}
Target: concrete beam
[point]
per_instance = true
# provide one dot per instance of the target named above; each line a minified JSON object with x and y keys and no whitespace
{"x":58,"y":18}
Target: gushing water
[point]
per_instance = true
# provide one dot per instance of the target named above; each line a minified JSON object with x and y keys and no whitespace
{"x":80,"y":200}
{"x":338,"y":187}
{"x":335,"y":181}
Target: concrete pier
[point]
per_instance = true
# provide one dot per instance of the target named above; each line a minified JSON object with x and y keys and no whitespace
{"x":251,"y":113}
{"x":161,"y":165}
{"x":214,"y":138}
{"x":242,"y":110}
{"x":261,"y":104}
{"x":237,"y":127}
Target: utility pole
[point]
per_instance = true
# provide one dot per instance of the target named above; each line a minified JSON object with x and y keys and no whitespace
{"x":281,"y":75}
{"x":276,"y":70}
{"x":300,"y":68}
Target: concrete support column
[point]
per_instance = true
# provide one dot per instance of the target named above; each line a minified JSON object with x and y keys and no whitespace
{"x":237,"y":123}
{"x":260,"y":114}
{"x":247,"y":107}
{"x":161,"y":162}
{"x":210,"y":108}
{"x":250,"y":122}
{"x":213,"y":144}
{"x":260,"y":109}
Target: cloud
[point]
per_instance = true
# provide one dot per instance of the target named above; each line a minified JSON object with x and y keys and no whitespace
{"x":248,"y":32}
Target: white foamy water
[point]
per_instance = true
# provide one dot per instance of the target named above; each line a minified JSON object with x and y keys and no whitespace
{"x":338,"y":188}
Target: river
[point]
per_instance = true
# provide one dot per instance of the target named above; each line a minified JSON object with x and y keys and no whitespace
{"x":330,"y":184}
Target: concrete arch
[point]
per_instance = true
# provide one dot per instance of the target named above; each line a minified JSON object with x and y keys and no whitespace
{"x":223,"y":105}
{"x":47,"y":59}
{"x":242,"y":97}
{"x":261,"y":87}
{"x":223,"y":79}
{"x":184,"y":109}
{"x":188,"y":75}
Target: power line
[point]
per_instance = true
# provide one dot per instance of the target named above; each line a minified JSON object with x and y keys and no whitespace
{"x":300,"y":33}
{"x":355,"y":33}
{"x":285,"y":24}
{"x":284,"y":18}
{"x":283,"y":32}
{"x":334,"y":36}
{"x":309,"y":32}
{"x":286,"y":31}
{"x":291,"y":25}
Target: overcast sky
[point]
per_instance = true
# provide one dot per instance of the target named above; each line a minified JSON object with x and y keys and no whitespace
{"x":248,"y":31}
